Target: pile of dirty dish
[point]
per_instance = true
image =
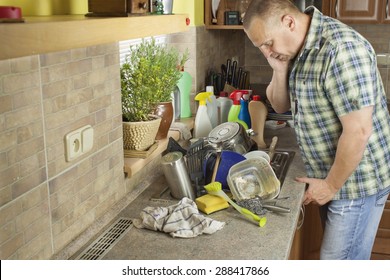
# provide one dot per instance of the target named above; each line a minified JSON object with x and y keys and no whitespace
{"x":225,"y":167}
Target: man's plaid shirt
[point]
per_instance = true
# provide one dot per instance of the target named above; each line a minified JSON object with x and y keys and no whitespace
{"x":335,"y":74}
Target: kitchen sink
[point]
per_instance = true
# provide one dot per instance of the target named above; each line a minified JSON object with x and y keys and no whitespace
{"x":280,"y":163}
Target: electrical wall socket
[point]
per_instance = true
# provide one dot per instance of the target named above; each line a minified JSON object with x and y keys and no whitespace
{"x":78,"y":142}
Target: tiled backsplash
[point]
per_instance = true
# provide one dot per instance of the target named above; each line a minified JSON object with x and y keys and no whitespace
{"x":45,"y":202}
{"x":378,"y":36}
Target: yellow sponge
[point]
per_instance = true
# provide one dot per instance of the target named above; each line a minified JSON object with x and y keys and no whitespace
{"x":210,"y":203}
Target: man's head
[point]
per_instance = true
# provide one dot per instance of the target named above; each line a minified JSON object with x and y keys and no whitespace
{"x":277,"y":27}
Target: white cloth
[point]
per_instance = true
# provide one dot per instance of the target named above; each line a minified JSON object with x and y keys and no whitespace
{"x":179,"y":220}
{"x":185,"y":133}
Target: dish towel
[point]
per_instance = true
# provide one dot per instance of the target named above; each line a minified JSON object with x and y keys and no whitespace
{"x":179,"y":220}
{"x":185,"y":133}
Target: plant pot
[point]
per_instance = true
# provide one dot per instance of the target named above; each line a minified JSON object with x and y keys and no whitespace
{"x":140,"y":136}
{"x":165,"y":111}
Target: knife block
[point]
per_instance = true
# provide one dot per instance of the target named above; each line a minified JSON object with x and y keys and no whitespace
{"x":118,"y":8}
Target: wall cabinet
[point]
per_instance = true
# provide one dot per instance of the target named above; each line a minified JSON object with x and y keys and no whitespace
{"x":360,"y":11}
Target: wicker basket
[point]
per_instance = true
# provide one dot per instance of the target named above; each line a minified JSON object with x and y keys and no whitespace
{"x":140,"y":136}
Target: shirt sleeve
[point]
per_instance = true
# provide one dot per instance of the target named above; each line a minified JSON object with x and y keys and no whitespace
{"x":351,"y":77}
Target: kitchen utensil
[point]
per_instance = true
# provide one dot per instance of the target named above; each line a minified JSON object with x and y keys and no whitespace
{"x":176,"y":174}
{"x":228,"y":71}
{"x":195,"y":159}
{"x":215,"y":188}
{"x":253,"y":177}
{"x":174,"y":146}
{"x":272,"y":147}
{"x":239,"y":77}
{"x":228,"y":159}
{"x":258,"y":206}
{"x":215,"y":169}
{"x":258,"y":114}
{"x":231,"y":136}
{"x":243,"y":84}
{"x":223,"y":73}
{"x":234,"y":77}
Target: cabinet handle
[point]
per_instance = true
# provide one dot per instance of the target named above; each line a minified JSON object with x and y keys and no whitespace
{"x":336,"y":8}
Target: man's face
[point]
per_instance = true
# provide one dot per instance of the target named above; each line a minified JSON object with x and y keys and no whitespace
{"x":272,"y":40}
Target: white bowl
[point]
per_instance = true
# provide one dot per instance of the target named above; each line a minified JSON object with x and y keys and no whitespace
{"x":257,"y":154}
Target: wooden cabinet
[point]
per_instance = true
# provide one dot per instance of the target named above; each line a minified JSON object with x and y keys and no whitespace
{"x":381,"y":249}
{"x":385,"y":11}
{"x":360,"y":11}
{"x":307,"y":240}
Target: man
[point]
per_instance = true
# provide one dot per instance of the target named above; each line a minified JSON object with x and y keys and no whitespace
{"x":326,"y":73}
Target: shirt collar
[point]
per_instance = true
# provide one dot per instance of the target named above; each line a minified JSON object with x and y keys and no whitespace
{"x":315,"y":31}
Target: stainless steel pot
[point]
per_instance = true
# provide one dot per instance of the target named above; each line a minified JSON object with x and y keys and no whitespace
{"x":231,"y":136}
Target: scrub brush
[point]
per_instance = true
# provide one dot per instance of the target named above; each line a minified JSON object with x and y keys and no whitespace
{"x":215,"y":188}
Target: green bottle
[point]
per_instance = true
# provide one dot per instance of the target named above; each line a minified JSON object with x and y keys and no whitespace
{"x":185,"y":85}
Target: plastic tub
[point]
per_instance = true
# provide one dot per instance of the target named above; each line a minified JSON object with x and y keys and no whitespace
{"x":253,"y":177}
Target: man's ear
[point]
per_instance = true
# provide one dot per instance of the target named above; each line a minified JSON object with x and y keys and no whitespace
{"x":288,"y":21}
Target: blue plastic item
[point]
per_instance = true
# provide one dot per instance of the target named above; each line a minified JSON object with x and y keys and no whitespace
{"x":228,"y":159}
{"x":243,"y":115}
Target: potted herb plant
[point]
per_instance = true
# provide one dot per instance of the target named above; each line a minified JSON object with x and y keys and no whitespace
{"x":148,"y":77}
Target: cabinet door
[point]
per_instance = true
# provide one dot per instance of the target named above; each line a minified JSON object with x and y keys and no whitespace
{"x":381,"y":249}
{"x":356,"y":11}
{"x":385,"y":11}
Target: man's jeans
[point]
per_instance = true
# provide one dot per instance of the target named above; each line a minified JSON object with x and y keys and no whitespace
{"x":351,"y":226}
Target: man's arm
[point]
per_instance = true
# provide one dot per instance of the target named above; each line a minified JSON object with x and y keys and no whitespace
{"x":357,"y":128}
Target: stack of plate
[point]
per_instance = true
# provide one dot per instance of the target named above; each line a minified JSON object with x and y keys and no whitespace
{"x":272,"y":115}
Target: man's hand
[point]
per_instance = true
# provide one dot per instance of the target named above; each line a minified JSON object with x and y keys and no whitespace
{"x":318,"y":191}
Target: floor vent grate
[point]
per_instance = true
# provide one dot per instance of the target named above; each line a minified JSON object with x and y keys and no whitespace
{"x":97,"y":249}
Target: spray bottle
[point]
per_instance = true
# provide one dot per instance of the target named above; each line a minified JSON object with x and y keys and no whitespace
{"x":236,"y":107}
{"x":212,"y":107}
{"x":244,"y":115}
{"x":202,"y":126}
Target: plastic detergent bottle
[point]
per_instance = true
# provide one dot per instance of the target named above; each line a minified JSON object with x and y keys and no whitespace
{"x":212,"y":107}
{"x":224,"y":105}
{"x":184,"y":85}
{"x":202,"y":126}
{"x":244,"y":115}
{"x":236,"y":107}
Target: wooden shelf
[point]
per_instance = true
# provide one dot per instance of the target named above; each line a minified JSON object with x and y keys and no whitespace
{"x":39,"y":35}
{"x":133,"y":165}
{"x":208,"y":18}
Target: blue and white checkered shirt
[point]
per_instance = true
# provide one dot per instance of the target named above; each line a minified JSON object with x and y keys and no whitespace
{"x":335,"y":74}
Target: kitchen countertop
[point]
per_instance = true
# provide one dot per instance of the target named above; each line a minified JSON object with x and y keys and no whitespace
{"x":239,"y":239}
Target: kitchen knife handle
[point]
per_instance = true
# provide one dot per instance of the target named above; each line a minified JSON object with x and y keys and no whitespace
{"x":234,"y":83}
{"x":239,"y":77}
{"x":272,"y":146}
{"x":228,"y":71}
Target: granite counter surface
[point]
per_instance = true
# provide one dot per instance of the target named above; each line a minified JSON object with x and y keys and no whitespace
{"x":238,"y":240}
